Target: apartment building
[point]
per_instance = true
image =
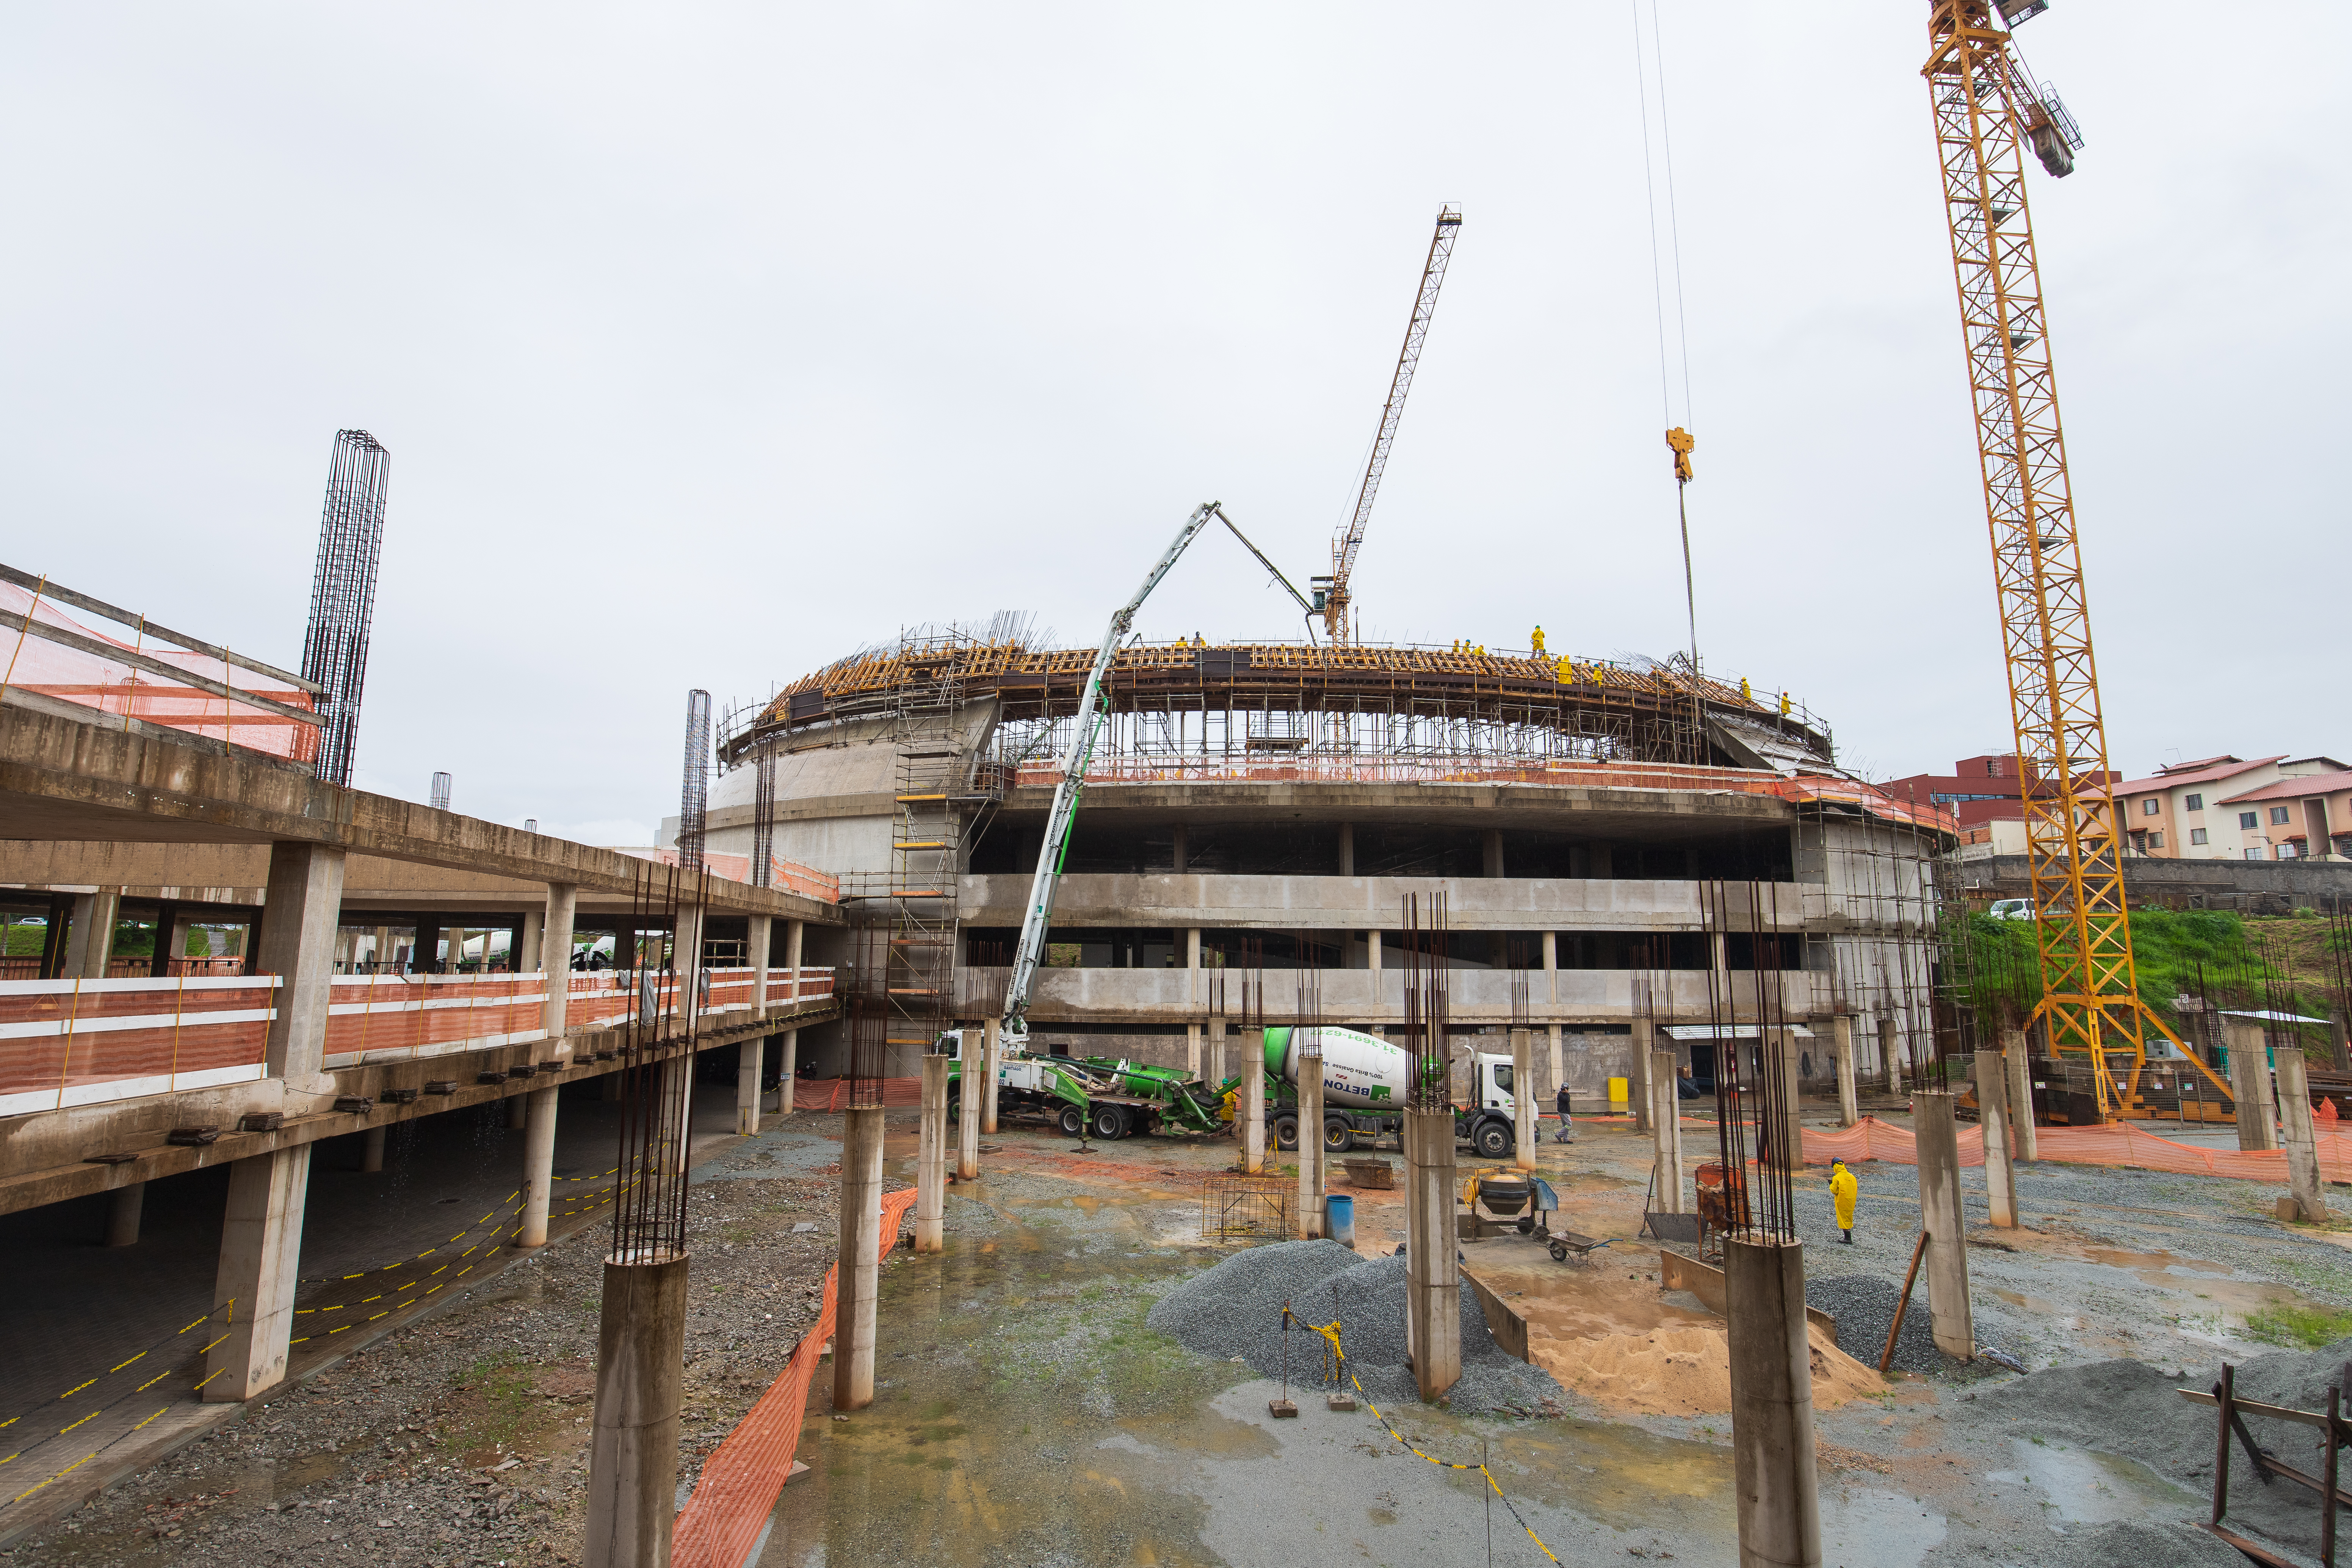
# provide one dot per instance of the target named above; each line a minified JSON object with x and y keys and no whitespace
{"x":2238,"y":808}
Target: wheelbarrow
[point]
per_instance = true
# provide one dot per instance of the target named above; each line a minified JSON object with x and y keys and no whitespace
{"x":1567,"y":1243}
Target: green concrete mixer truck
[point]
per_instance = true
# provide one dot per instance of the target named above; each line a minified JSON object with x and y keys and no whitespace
{"x":1366,"y":1085}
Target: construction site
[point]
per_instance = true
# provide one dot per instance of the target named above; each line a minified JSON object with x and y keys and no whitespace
{"x":1303,"y":1100}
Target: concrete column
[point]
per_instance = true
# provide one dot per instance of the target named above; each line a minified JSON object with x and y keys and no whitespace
{"x":527,"y":958}
{"x":1433,"y":1279}
{"x":1992,"y":1116}
{"x":861,"y":1258}
{"x":640,"y":1385}
{"x":1789,"y":1153}
{"x":1888,"y":1061}
{"x":1772,"y":1404}
{"x":261,"y":1241}
{"x":762,"y":934}
{"x":1559,"y":1063}
{"x":2249,"y":1084}
{"x":1848,"y":1083}
{"x":298,"y":944}
{"x":793,"y":955}
{"x":1252,"y":1109}
{"x":123,"y":1213}
{"x":2301,"y":1139}
{"x":1216,"y":1078}
{"x":1645,"y":1044}
{"x":991,"y":1061}
{"x":538,"y":1162}
{"x":1941,"y":1218}
{"x":1193,"y":969}
{"x":178,"y":949}
{"x":2021,"y":1095}
{"x":1523,"y":1096}
{"x":931,"y":1159}
{"x":1192,"y":1047}
{"x":89,"y":943}
{"x":1372,"y":961}
{"x":972,"y":1096}
{"x":372,"y":1150}
{"x":518,"y":1112}
{"x":1493,"y":845}
{"x":1310,"y":1136}
{"x":1177,"y":849}
{"x":1666,"y":1137}
{"x":788,"y":1072}
{"x":751,"y":1066}
{"x":1551,"y":971}
{"x":1347,"y":849}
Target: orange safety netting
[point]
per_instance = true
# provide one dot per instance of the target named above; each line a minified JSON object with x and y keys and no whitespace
{"x":741,"y":1479}
{"x":2116,"y":1144}
{"x":784,"y":876}
{"x":117,"y":687}
{"x":896,"y":1093}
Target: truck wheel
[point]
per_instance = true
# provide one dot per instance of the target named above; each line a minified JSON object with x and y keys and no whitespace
{"x":1493,"y":1139}
{"x":1285,"y":1130}
{"x":1072,"y":1121}
{"x":1339,"y":1135}
{"x":1109,"y":1123}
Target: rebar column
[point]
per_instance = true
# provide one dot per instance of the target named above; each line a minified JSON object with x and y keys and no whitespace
{"x":931,"y":1159}
{"x":1771,"y":1405}
{"x":861,"y":1258}
{"x":640,"y":1381}
{"x":1433,"y":1279}
{"x":1525,"y":1107}
{"x":1941,"y":1216}
{"x":1992,"y":1116}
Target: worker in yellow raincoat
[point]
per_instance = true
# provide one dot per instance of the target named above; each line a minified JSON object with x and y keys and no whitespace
{"x":1843,"y":1187}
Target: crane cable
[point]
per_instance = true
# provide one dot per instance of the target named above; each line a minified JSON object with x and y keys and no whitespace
{"x":1678,"y":437}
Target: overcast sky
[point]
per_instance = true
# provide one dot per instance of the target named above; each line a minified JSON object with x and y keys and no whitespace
{"x":712,"y":341}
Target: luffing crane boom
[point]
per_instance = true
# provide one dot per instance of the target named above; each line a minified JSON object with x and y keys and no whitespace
{"x":1332,"y":591}
{"x":1987,"y":110}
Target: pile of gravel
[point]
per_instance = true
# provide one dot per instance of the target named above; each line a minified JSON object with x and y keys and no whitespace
{"x":1863,"y":1306}
{"x":1235,"y":1311}
{"x":2130,"y":1543}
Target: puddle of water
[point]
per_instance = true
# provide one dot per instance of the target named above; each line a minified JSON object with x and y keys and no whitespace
{"x":2078,"y":1486}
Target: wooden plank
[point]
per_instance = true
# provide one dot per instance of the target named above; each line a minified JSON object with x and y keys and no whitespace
{"x":2263,"y":1555}
{"x":2275,"y":1412}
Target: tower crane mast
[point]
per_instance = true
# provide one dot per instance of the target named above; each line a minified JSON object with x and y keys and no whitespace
{"x":1332,"y":593}
{"x":1988,"y":111}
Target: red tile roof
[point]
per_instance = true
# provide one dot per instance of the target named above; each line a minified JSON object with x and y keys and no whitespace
{"x":2298,"y":788}
{"x":2175,"y":780}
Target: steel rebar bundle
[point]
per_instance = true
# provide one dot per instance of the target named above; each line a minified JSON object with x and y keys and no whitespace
{"x":1426,"y":993}
{"x":694,"y":795}
{"x":342,"y":593}
{"x":656,"y":1074}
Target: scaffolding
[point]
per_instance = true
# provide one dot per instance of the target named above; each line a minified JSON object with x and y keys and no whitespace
{"x":935,"y":762}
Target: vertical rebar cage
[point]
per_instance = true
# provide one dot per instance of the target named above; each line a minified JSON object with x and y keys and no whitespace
{"x":440,"y":792}
{"x":342,"y":593}
{"x":1426,"y":996}
{"x":694,"y":791}
{"x":658,"y":1065}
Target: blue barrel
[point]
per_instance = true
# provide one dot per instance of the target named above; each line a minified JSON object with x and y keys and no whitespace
{"x":1340,"y":1218}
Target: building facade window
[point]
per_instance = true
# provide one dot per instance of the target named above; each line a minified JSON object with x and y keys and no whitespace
{"x":2195,"y":836}
{"x":2195,"y":803}
{"x":2250,"y":820}
{"x":2255,"y":853}
{"x":2155,"y":840}
{"x":2289,"y":850}
{"x":2148,"y":807}
{"x":2278,"y":818}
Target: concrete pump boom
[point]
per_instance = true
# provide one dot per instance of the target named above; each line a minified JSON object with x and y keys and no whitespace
{"x":1031,"y":948}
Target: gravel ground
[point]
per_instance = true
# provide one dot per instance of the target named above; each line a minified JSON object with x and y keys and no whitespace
{"x":1863,"y":1306}
{"x":1235,"y":1312}
{"x":463,"y":1438}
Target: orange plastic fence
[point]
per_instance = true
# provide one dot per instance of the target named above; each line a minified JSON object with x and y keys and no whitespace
{"x":2117,"y":1144}
{"x":32,"y":664}
{"x":786,"y":876}
{"x":744,"y":1475}
{"x":81,"y":1042}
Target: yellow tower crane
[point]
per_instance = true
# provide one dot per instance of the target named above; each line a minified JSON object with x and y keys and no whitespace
{"x":1987,"y":111}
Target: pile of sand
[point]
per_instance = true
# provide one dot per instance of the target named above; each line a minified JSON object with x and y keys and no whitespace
{"x":1682,"y":1371}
